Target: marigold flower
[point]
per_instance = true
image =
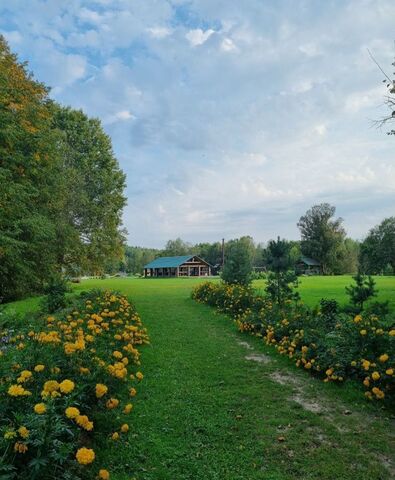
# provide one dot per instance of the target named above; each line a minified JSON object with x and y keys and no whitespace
{"x":389,"y":371}
{"x":124,"y":428}
{"x":101,"y":390}
{"x":20,"y":447}
{"x":363,"y":332}
{"x":10,"y":434}
{"x":23,"y":432}
{"x":66,"y":386}
{"x":139,"y":376}
{"x":375,"y":375}
{"x":85,"y":456}
{"x":17,"y":391}
{"x":112,"y":403}
{"x":40,"y":408}
{"x":391,"y":333}
{"x":104,"y":474}
{"x":83,"y":421}
{"x":132,"y":392}
{"x":115,"y":436}
{"x":383,"y":358}
{"x":72,"y":412}
{"x":39,"y":368}
{"x":128,"y":408}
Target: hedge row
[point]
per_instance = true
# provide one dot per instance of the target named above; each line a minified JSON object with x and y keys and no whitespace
{"x":333,"y":345}
{"x":66,"y":385}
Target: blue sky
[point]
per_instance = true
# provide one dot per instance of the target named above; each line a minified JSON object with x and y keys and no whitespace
{"x":228,"y":117}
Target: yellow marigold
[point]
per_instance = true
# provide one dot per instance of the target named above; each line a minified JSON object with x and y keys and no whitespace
{"x":20,"y":447}
{"x":383,"y":358}
{"x":357,"y":318}
{"x":24,"y":376}
{"x":40,"y":408}
{"x":83,"y":421}
{"x":17,"y":391}
{"x":139,"y":376}
{"x":132,"y":392}
{"x":104,"y":474}
{"x":329,"y":372}
{"x":115,"y":436}
{"x":112,"y":403}
{"x":375,"y":375}
{"x":353,"y":363}
{"x":363,"y":332}
{"x":51,"y":386}
{"x":23,"y":432}
{"x":117,"y":354}
{"x":366,"y":382}
{"x":72,"y":412}
{"x":85,"y":456}
{"x":39,"y":368}
{"x":366,"y":364}
{"x":128,"y":408}
{"x":124,"y":428}
{"x":101,"y":390}
{"x":66,"y":386}
{"x":391,"y":333}
{"x":389,"y":371}
{"x":9,"y":434}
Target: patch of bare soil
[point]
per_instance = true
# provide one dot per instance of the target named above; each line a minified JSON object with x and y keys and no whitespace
{"x":258,"y":357}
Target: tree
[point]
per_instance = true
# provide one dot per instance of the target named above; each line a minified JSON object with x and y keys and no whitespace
{"x":177,"y":247}
{"x":238,"y":261}
{"x":281,"y":280}
{"x":363,"y":290}
{"x":89,"y":224}
{"x":389,"y":98}
{"x":377,"y":254}
{"x":321,"y":235}
{"x":29,"y":168}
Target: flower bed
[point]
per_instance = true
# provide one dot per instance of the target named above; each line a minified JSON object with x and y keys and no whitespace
{"x":331,"y":344}
{"x":66,"y":385}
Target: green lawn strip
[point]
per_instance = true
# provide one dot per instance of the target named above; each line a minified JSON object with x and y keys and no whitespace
{"x":204,"y":411}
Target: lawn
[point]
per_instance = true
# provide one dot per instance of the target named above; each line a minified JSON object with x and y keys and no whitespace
{"x":215,"y":404}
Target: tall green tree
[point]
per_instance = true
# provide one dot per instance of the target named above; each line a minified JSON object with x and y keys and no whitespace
{"x":90,"y":224}
{"x":377,"y":253}
{"x":177,"y":247}
{"x":322,"y":235}
{"x":28,"y":172}
{"x":239,"y":256}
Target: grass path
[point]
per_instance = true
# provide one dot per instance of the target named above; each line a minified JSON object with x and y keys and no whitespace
{"x":204,"y":411}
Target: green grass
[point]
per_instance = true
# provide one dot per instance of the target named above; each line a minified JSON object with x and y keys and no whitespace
{"x":204,"y":411}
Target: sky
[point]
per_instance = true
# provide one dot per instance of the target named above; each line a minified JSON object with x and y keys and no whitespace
{"x":229,"y":117}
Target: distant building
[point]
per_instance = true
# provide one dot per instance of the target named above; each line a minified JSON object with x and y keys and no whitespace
{"x":308,"y":266}
{"x":183,"y":266}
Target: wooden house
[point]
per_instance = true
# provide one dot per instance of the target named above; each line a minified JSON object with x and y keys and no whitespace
{"x":308,"y":266}
{"x":182,"y":266}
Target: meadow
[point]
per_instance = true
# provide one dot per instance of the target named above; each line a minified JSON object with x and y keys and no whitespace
{"x":215,"y":404}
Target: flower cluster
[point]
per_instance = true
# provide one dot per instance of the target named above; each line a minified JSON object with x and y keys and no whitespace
{"x":72,"y":381}
{"x":334,"y":346}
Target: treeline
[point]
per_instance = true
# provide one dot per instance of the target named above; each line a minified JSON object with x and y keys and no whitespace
{"x":323,"y":238}
{"x":61,"y":195}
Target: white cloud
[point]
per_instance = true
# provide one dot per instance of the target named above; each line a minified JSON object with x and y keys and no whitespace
{"x":198,"y":36}
{"x":227,"y":45}
{"x":159,"y":32}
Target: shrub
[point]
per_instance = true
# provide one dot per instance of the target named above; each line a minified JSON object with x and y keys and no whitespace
{"x":55,"y":294}
{"x":67,"y":384}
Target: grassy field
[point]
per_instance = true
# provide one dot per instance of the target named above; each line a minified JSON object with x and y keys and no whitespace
{"x":216,"y":404}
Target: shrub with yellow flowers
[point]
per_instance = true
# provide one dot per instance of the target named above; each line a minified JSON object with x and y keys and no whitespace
{"x":325,"y":341}
{"x":66,"y":383}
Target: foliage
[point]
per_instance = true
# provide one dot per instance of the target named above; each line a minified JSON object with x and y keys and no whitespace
{"x":137,"y":257}
{"x":238,"y":261}
{"x":324,"y":341}
{"x":61,"y":186}
{"x":177,"y":247}
{"x":322,"y":236}
{"x":377,"y":253}
{"x":55,"y":294}
{"x":66,"y":385}
{"x":281,"y":281}
{"x":363,"y":290}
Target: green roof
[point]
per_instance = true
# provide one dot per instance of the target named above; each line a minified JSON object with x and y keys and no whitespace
{"x":309,"y":261}
{"x":169,"y":262}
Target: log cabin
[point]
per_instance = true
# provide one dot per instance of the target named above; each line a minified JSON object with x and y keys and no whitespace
{"x":182,"y":266}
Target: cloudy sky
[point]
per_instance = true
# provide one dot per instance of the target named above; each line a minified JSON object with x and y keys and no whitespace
{"x":229,"y":117}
